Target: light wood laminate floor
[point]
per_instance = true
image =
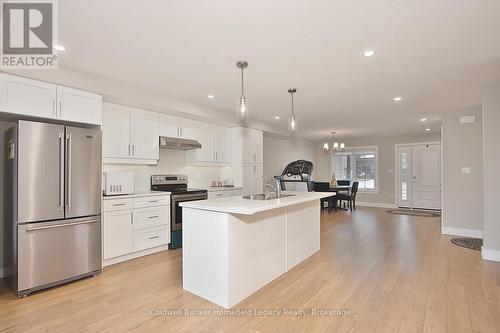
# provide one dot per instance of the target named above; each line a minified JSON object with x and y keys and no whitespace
{"x":390,"y":273}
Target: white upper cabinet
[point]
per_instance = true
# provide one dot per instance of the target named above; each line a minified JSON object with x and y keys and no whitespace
{"x":130,"y":135}
{"x":144,"y":134}
{"x":221,"y":144}
{"x":169,"y":126}
{"x":175,"y":127}
{"x":45,"y":100}
{"x":27,"y":97}
{"x":251,"y":145}
{"x":79,"y":106}
{"x":115,"y":131}
{"x":206,"y":152}
{"x":215,"y":144}
{"x":257,"y":146}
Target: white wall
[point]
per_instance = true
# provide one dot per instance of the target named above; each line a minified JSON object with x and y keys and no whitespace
{"x":278,"y":152}
{"x":462,"y":194}
{"x":491,"y":169}
{"x":386,"y":163}
{"x":171,"y":162}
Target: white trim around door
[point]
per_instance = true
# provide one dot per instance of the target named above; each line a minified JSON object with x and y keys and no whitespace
{"x":409,"y":198}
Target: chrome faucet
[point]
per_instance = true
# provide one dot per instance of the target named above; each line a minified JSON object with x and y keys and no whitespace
{"x":276,"y":190}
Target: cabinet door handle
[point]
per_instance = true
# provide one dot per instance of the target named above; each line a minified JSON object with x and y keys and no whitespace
{"x":128,"y":150}
{"x":152,"y":201}
{"x":153,"y":217}
{"x":133,"y":150}
{"x":54,"y":112}
{"x":117,"y":205}
{"x":151,"y":238}
{"x":60,"y":108}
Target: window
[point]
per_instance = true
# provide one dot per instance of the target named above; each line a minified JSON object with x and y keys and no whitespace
{"x":357,"y":164}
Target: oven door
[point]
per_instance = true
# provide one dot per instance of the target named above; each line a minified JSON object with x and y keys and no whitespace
{"x":176,"y":213}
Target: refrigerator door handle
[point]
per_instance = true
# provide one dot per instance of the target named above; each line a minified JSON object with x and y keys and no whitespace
{"x":61,"y":171}
{"x":68,"y":163}
{"x":60,"y":225}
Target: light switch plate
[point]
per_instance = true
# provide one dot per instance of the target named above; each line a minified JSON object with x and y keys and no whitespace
{"x":466,"y":171}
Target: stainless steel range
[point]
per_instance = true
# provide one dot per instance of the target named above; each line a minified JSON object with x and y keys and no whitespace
{"x":178,"y":186}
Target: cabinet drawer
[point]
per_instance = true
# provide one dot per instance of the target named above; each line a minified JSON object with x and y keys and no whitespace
{"x":149,"y":217}
{"x":112,"y":205}
{"x":151,"y":237}
{"x":224,"y":194}
{"x":157,"y":200}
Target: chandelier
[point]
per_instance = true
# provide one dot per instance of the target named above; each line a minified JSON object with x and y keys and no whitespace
{"x":335,"y":146}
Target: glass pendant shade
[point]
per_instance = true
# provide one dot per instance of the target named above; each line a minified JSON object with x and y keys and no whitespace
{"x":242,"y":108}
{"x":335,"y":145}
{"x":342,"y":145}
{"x":292,"y":126}
{"x":325,"y":146}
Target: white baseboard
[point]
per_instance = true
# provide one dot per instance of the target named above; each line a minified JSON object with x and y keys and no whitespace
{"x":376,"y":204}
{"x":134,"y":255}
{"x":492,"y":255}
{"x":462,"y":232}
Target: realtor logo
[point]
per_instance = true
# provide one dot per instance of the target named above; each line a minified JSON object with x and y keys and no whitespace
{"x":28,"y":34}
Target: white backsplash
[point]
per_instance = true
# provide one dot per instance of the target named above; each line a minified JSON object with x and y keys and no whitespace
{"x":172,"y":162}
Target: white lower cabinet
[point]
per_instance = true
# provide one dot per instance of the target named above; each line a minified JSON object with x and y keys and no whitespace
{"x":224,"y":194}
{"x":118,"y":234}
{"x":135,"y":226}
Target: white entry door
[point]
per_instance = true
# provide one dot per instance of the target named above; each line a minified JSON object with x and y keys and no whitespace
{"x":419,"y":171}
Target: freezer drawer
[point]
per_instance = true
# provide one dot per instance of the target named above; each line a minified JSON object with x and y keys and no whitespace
{"x":52,"y":252}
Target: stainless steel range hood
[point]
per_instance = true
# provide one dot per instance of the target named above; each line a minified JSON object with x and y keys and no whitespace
{"x":179,"y":144}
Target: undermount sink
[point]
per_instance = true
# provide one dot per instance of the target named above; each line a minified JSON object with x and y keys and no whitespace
{"x":266,"y":196}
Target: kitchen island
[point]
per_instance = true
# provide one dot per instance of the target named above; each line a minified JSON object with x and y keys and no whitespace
{"x":232,"y":246}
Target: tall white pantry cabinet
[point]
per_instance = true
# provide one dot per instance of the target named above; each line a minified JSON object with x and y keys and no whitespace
{"x":247,"y":165}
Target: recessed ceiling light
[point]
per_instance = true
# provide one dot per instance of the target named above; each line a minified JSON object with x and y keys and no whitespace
{"x":59,"y":48}
{"x":398,"y":99}
{"x":211,"y":96}
{"x":277,"y":118}
{"x":427,"y":129}
{"x":423,"y":119}
{"x":369,"y":53}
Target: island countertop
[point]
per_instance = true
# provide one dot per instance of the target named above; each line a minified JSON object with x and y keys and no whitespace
{"x":238,"y":205}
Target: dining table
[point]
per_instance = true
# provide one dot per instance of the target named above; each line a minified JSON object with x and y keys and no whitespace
{"x":339,"y":189}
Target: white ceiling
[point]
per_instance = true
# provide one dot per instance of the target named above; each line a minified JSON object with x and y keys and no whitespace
{"x":437,"y":55}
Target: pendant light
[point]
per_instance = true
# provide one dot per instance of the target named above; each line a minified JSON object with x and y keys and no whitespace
{"x":335,"y":145}
{"x":242,"y":104}
{"x":293,"y":119}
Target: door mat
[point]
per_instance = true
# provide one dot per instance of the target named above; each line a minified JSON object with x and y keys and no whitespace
{"x":470,"y":243}
{"x":414,"y":212}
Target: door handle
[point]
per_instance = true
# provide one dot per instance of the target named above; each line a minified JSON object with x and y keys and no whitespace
{"x":68,"y":157}
{"x":60,"y":225}
{"x":61,"y":171}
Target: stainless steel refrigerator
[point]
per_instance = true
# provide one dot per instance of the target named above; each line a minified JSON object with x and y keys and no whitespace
{"x":55,"y":182}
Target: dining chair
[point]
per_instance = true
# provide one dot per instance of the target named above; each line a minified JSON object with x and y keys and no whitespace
{"x":350,"y":197}
{"x":343,"y":182}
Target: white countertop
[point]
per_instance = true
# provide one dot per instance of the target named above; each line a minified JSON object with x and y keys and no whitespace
{"x":136,"y":195}
{"x":238,"y":205}
{"x":222,"y":188}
